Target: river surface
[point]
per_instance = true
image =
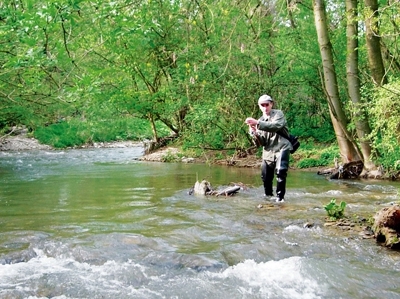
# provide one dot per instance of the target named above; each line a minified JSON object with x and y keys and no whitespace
{"x":98,"y":223}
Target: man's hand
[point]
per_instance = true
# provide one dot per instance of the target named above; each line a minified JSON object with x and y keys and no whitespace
{"x":252,"y":123}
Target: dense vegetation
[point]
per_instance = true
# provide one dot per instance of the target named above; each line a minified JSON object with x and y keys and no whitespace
{"x":76,"y":71}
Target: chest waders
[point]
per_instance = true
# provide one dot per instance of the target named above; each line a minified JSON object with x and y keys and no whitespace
{"x":279,"y":167}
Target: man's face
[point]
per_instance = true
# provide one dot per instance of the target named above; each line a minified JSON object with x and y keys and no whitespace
{"x":266,"y":107}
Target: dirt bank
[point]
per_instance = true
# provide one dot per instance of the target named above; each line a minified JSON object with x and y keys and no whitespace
{"x":23,"y":142}
{"x":173,"y":154}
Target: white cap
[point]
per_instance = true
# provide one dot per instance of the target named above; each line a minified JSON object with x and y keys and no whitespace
{"x":264,"y":99}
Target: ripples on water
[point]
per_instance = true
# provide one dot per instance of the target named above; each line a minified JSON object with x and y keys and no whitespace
{"x":98,"y":223}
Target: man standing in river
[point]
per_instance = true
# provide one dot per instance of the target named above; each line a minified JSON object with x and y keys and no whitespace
{"x":276,"y":148}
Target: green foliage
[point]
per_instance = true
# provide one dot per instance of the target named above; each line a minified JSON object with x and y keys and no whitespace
{"x":63,"y":134}
{"x":385,"y":120}
{"x":171,"y":157}
{"x":75,"y":133}
{"x":206,"y":130}
{"x":87,"y":71}
{"x":18,"y":115}
{"x":317,"y":155}
{"x":334,"y":210}
{"x":389,"y":160}
{"x":309,"y":162}
{"x":308,"y":120}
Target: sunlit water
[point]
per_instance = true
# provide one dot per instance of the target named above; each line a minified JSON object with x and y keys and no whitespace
{"x":98,"y":223}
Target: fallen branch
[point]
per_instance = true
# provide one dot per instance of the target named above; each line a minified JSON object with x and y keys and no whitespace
{"x":227,"y":191}
{"x":204,"y":188}
{"x":8,"y":134}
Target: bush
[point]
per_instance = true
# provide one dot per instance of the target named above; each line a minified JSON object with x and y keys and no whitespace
{"x":62,"y":134}
{"x":334,"y":210}
{"x":309,"y":162}
{"x":316,"y":156}
{"x":385,"y":125}
{"x":76,"y":132}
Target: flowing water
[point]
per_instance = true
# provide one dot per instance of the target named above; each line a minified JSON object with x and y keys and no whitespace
{"x":98,"y":223}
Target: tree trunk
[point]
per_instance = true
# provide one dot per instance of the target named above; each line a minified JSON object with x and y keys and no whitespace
{"x":153,"y":127}
{"x":353,"y":83}
{"x":348,"y":150}
{"x":374,"y":43}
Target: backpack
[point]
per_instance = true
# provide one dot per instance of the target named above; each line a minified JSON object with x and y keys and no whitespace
{"x":294,"y":140}
{"x":259,"y":141}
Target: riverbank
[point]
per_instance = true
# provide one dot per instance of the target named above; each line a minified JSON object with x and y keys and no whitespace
{"x":173,"y":154}
{"x":23,"y":142}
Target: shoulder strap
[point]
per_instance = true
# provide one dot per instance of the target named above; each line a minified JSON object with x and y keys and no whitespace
{"x":284,"y":132}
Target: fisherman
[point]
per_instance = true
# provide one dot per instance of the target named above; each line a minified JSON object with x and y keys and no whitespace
{"x":271,"y":128}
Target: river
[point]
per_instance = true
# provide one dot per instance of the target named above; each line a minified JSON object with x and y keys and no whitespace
{"x":99,"y":223}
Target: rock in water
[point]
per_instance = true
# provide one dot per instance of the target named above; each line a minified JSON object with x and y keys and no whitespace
{"x":386,"y":227}
{"x":202,"y":188}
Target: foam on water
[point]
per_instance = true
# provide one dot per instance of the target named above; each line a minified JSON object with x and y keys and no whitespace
{"x":68,"y":278}
{"x":274,"y":279}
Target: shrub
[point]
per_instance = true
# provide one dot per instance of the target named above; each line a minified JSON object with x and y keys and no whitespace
{"x":385,"y":124}
{"x":76,"y":132}
{"x":326,"y":156}
{"x":62,"y":134}
{"x":334,"y":210}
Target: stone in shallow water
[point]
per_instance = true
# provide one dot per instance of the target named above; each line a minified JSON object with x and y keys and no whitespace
{"x":386,"y":226}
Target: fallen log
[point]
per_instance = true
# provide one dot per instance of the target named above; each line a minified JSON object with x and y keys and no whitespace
{"x":351,"y":170}
{"x":227,"y":191}
{"x":204,"y":188}
{"x":386,"y":227}
{"x":328,"y":171}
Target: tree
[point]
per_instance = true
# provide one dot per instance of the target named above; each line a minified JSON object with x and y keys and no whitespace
{"x":348,"y":149}
{"x":353,"y":83}
{"x":373,"y":43}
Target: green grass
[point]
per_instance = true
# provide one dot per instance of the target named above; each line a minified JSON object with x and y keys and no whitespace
{"x":76,"y":133}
